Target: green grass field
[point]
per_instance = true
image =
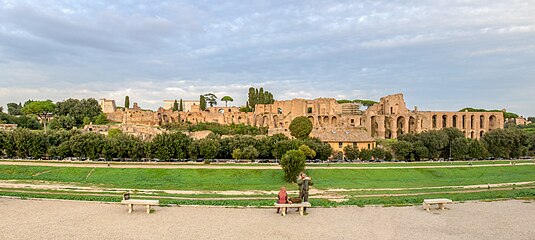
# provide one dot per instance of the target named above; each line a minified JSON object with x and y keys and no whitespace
{"x":271,"y":179}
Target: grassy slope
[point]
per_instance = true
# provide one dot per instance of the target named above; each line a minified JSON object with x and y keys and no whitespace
{"x":262,"y":179}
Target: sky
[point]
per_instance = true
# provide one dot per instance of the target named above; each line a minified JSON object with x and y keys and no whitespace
{"x":442,"y":54}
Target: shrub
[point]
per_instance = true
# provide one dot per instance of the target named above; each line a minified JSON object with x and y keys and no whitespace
{"x":292,"y":162}
{"x":309,"y":153}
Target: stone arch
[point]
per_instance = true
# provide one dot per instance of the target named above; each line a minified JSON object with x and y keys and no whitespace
{"x":326,"y":120}
{"x":375,"y":127}
{"x":276,"y":121}
{"x":311,"y":120}
{"x":334,"y":121}
{"x":492,"y":122}
{"x":472,"y":134}
{"x":265,"y":121}
{"x":320,"y":120}
{"x":400,"y":123}
{"x":481,"y":122}
{"x":444,"y":121}
{"x":239,"y":119}
{"x":472,"y":118}
{"x":388,"y":127}
{"x":481,"y":133}
{"x":434,"y":121}
{"x":464,"y":122}
{"x":454,"y":121}
{"x":412,"y":124}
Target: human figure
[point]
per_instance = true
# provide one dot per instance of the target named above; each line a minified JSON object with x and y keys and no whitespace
{"x":282,"y":197}
{"x":304,"y":182}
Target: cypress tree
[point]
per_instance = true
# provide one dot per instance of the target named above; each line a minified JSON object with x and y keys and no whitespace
{"x":203,"y":103}
{"x":181,"y":106}
{"x":127,"y":102}
{"x":175,"y":106}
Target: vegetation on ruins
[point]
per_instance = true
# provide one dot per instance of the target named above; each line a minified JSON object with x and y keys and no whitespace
{"x":231,"y":129}
{"x":506,"y":115}
{"x":227,"y":99}
{"x":257,"y":96}
{"x":300,"y":127}
{"x":363,"y":102}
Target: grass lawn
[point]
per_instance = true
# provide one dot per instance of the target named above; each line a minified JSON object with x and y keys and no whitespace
{"x":267,"y":179}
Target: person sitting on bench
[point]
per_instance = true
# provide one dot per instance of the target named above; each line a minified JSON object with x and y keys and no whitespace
{"x":283,"y":197}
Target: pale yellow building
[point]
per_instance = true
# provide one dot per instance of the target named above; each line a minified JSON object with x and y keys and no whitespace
{"x":338,"y":139}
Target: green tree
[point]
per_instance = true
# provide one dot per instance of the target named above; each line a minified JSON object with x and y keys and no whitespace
{"x":284,"y":146}
{"x":227,"y":99}
{"x":365,"y":154}
{"x":435,"y":141}
{"x":169,"y":145}
{"x":237,"y":154}
{"x":402,"y":150}
{"x":309,"y":153}
{"x":292,"y":162}
{"x":62,"y":122}
{"x":181,"y":106}
{"x":460,"y":149}
{"x":101,"y":119}
{"x":506,"y":143}
{"x":476,"y":149}
{"x":14,"y":109}
{"x":250,"y":153}
{"x":351,"y":152}
{"x":300,"y":127}
{"x":420,"y":151}
{"x":86,"y":121}
{"x":211,"y":99}
{"x":323,"y":150}
{"x":127,"y":102}
{"x":114,"y":132}
{"x":202,"y":104}
{"x":175,"y":106}
{"x":378,"y":153}
{"x":42,"y":109}
{"x":79,"y":109}
{"x":208,"y":148}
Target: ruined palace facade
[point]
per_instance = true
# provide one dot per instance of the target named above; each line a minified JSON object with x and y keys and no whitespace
{"x":388,"y":118}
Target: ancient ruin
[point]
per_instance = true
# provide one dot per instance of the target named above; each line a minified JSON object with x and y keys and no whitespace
{"x":389,"y":118}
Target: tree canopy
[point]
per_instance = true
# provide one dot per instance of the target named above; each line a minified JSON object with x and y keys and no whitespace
{"x":42,"y":109}
{"x":300,"y":127}
{"x":227,"y":99}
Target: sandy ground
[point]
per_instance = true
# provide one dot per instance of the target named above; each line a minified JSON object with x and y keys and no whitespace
{"x":49,"y":219}
{"x":216,"y":166}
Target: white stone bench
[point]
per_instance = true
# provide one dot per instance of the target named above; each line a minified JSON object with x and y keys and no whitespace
{"x":132,"y":202}
{"x":439,"y":201}
{"x":301,"y":207}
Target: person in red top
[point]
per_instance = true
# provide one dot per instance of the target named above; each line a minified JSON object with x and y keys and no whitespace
{"x":283,"y":197}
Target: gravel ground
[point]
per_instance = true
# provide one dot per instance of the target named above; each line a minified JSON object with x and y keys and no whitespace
{"x":50,"y":219}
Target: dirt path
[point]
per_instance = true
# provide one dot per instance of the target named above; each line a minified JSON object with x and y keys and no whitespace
{"x":216,"y":166}
{"x":46,"y":219}
{"x":332,"y":194}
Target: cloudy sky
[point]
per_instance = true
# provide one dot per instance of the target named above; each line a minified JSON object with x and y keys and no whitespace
{"x":442,"y":54}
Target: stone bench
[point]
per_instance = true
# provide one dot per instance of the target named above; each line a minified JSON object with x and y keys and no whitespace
{"x":439,"y":201}
{"x":301,"y":207}
{"x":132,"y":202}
